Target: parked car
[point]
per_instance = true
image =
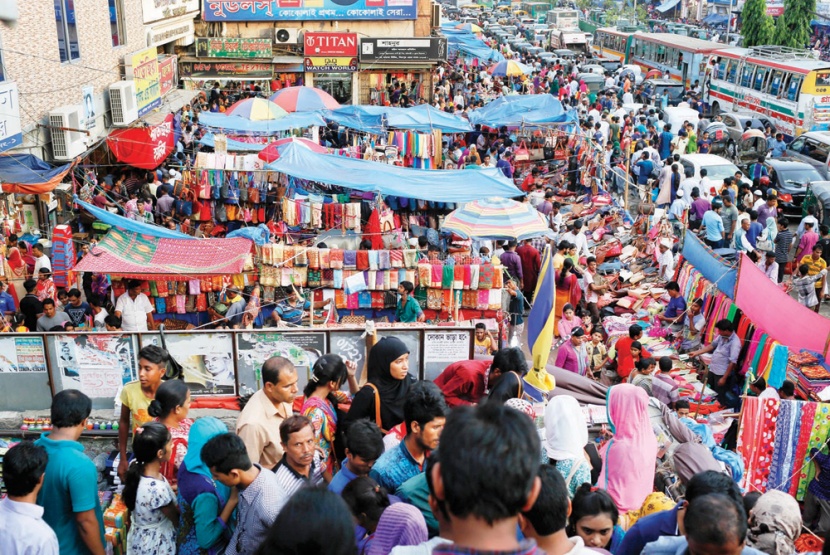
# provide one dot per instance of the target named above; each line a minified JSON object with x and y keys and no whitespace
{"x":565,"y":53}
{"x":736,"y":123}
{"x":593,"y":68}
{"x":812,"y":148}
{"x":792,"y":177}
{"x":716,"y":168}
{"x":609,"y":64}
{"x":821,"y":192}
{"x":659,"y":86}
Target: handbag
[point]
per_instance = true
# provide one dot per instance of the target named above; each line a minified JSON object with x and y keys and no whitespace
{"x":764,"y":245}
{"x":522,"y":154}
{"x":174,"y":369}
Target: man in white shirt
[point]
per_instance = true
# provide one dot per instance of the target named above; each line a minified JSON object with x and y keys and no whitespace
{"x":22,"y":529}
{"x":41,"y":260}
{"x":665,"y":260}
{"x":135,"y":309}
{"x":688,"y":184}
{"x":576,"y":237}
{"x":759,"y":388}
{"x":609,"y":81}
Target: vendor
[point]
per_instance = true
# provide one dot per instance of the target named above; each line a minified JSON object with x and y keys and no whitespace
{"x":725,"y":350}
{"x":408,"y":310}
{"x":760,"y":389}
{"x":692,"y":326}
{"x":292,"y":309}
{"x":675,"y":310}
{"x":665,"y":260}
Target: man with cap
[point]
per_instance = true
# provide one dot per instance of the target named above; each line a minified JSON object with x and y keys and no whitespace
{"x":665,"y":260}
{"x":568,"y":356}
{"x":758,"y":200}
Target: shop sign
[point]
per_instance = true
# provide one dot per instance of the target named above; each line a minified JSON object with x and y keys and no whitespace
{"x":330,"y":52}
{"x":307,"y":10}
{"x":168,"y":74}
{"x":775,"y":10}
{"x":221,"y":70}
{"x":156,"y":10}
{"x":170,"y":31}
{"x":329,"y":64}
{"x":143,"y":147}
{"x":233,"y":48}
{"x":143,"y":68}
{"x":11,"y":134}
{"x":427,"y":49}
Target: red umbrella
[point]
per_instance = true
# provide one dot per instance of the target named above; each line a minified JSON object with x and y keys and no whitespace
{"x":654,"y":74}
{"x":304,"y":99}
{"x":271,"y":152}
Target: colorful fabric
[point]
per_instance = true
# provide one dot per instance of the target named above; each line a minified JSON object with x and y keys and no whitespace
{"x":818,"y":437}
{"x":756,"y":440}
{"x":808,"y":412}
{"x":787,"y":429}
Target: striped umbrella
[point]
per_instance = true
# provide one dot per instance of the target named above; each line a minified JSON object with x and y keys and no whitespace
{"x":272,"y":151}
{"x":497,"y":219}
{"x":471,"y":27}
{"x":256,"y":109}
{"x":509,"y":68}
{"x":304,"y":99}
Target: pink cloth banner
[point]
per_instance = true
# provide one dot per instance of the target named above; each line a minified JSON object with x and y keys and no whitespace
{"x":778,"y":314}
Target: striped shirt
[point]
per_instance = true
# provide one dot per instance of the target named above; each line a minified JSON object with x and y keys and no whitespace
{"x":259,"y":505}
{"x":290,"y":481}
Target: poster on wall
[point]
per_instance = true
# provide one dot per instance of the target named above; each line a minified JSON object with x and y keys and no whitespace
{"x":143,"y":68}
{"x":11,"y":133}
{"x":168,"y":74}
{"x":207,"y":360}
{"x":302,"y":349}
{"x":307,"y":10}
{"x":89,"y":106}
{"x":22,"y":354}
{"x":98,"y":365}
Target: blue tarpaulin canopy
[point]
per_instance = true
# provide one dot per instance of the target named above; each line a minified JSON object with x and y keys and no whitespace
{"x":233,"y":146}
{"x":376,"y":119}
{"x":713,"y":267}
{"x":667,"y":5}
{"x":28,"y":174}
{"x":469,"y":46}
{"x":127,"y":224}
{"x":715,"y":19}
{"x":515,"y":110}
{"x":364,"y":175}
{"x":235,"y":125}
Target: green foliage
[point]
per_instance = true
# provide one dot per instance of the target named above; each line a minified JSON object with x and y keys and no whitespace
{"x":758,"y":28}
{"x":793,"y":27}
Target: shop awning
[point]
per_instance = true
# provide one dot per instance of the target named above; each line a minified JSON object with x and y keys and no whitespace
{"x":132,"y":255}
{"x":29,"y":175}
{"x":715,"y":19}
{"x":376,"y":119}
{"x":233,"y":146}
{"x":134,"y":226}
{"x":171,"y":103}
{"x":143,"y":147}
{"x":364,"y":175}
{"x":234,"y":125}
{"x":667,"y":5}
{"x":515,"y":110}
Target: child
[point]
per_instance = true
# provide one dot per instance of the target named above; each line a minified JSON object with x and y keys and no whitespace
{"x":663,"y":386}
{"x":148,"y":496}
{"x":805,"y":286}
{"x":484,"y":343}
{"x":597,"y":353}
{"x":636,"y":351}
{"x":137,"y":396}
{"x":364,"y":446}
{"x":170,"y":407}
{"x":643,"y":376}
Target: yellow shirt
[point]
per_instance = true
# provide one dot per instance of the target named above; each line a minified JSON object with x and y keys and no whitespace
{"x":259,"y":427}
{"x":484,"y":347}
{"x":815,"y":266}
{"x":134,"y":399}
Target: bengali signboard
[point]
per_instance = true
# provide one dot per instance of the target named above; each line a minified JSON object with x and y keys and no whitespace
{"x":233,"y":48}
{"x":11,"y":133}
{"x":143,"y":68}
{"x":327,"y":52}
{"x":427,"y":49}
{"x":168,"y":74}
{"x":221,"y":70}
{"x":156,"y":10}
{"x":307,"y":10}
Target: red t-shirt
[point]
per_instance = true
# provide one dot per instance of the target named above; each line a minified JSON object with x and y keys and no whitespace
{"x":463,"y":382}
{"x":625,"y":362}
{"x":527,"y":184}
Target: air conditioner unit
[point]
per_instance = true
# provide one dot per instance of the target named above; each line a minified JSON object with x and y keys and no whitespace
{"x":66,"y":145}
{"x":435,"y":20}
{"x":123,"y":104}
{"x":286,"y":36}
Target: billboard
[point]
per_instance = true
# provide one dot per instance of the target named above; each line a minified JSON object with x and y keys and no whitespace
{"x":143,"y":68}
{"x":426,"y":49}
{"x":11,"y":133}
{"x":307,"y":10}
{"x":330,"y":52}
{"x":233,"y":48}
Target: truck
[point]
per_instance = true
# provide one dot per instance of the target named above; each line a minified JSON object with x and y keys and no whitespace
{"x":572,"y":40}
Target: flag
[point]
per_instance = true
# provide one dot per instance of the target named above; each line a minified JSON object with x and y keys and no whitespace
{"x":540,"y":325}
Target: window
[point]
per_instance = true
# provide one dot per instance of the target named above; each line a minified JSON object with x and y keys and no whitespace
{"x":733,"y":72}
{"x":795,"y":85}
{"x":746,"y":75}
{"x":775,"y":82}
{"x":67,"y":30}
{"x":798,"y":144}
{"x":759,"y":78}
{"x":117,"y":22}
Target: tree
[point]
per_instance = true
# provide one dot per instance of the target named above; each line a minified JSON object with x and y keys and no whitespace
{"x":758,"y":27}
{"x":793,"y":26}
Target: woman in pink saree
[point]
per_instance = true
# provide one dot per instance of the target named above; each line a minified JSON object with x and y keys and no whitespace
{"x":629,"y":458}
{"x":567,"y":291}
{"x":18,"y":270}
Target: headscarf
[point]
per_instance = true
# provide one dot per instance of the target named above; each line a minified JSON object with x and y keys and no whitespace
{"x":774,"y":524}
{"x":692,"y":458}
{"x":566,"y":432}
{"x":202,"y":431}
{"x":522,"y":406}
{"x":772,"y":229}
{"x":628,"y":459}
{"x":400,"y":524}
{"x":392,"y":392}
{"x":566,"y":326}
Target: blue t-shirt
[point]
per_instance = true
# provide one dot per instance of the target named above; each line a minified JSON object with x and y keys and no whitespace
{"x":291,"y":313}
{"x":78,"y":313}
{"x":649,"y":529}
{"x":646,"y":167}
{"x":676,"y":307}
{"x":70,"y":486}
{"x":714,"y":225}
{"x":752,"y":234}
{"x":341,"y":479}
{"x":395,"y":467}
{"x":6,"y":303}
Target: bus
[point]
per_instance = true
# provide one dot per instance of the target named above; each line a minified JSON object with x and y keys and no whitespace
{"x":789,"y":86}
{"x":563,"y":19}
{"x":536,"y":10}
{"x":682,"y":58}
{"x":572,"y":40}
{"x":611,"y":43}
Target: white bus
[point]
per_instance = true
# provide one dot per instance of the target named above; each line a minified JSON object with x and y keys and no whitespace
{"x":563,"y":19}
{"x":791,"y":87}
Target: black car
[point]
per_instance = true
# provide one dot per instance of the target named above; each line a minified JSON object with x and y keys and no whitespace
{"x":791,"y":177}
